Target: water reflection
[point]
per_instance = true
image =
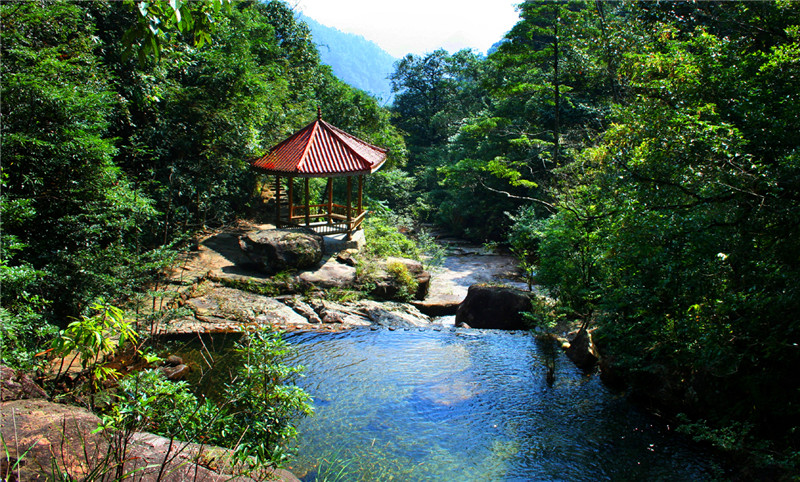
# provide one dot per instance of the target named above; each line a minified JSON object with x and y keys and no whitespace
{"x":470,"y":405}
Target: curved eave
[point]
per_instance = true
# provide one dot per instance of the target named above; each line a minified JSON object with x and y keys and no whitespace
{"x":276,"y":172}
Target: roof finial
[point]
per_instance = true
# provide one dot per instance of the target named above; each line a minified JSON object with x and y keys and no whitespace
{"x":319,"y":113}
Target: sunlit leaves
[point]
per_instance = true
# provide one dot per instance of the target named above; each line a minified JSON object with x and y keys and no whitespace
{"x":685,"y":213}
{"x":159,"y":19}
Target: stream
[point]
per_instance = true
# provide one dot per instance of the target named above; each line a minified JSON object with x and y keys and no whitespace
{"x":471,"y":405}
{"x":445,"y":403}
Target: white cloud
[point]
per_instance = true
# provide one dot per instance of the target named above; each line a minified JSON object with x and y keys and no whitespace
{"x":418,"y":26}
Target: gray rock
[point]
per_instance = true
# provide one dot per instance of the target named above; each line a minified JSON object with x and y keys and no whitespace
{"x":347,"y":315}
{"x":274,"y":250}
{"x":394,"y":315}
{"x":304,"y":310}
{"x":494,"y":307}
{"x":437,"y":307}
{"x":230,"y":310}
{"x":347,"y":257}
{"x":332,"y":274}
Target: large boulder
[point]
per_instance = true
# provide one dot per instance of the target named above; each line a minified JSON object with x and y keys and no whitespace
{"x":16,"y":385}
{"x":332,"y":274}
{"x":494,"y":307}
{"x":582,"y":351}
{"x":274,"y":250}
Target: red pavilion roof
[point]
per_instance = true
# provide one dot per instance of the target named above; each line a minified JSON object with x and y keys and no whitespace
{"x":319,"y":150}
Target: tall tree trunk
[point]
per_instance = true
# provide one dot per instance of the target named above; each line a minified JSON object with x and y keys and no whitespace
{"x":556,"y":87}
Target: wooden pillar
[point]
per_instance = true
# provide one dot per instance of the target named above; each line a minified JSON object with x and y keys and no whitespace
{"x":330,"y":200}
{"x":308,"y":205}
{"x":291,"y":199}
{"x":360,"y":194}
{"x":349,"y":207}
{"x":277,"y":201}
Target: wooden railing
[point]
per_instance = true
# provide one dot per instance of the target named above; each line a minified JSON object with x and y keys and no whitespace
{"x":323,"y":222}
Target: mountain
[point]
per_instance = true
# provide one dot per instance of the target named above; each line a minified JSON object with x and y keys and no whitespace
{"x":354,"y":59}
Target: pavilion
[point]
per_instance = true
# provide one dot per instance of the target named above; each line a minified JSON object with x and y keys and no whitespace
{"x":320,"y":150}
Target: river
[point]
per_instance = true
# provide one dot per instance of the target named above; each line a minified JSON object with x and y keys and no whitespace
{"x":452,"y":404}
{"x":471,"y":405}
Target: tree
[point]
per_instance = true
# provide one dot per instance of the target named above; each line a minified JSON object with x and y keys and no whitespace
{"x":159,"y":20}
{"x":433,"y":93}
{"x":691,"y":219}
{"x":79,"y":214}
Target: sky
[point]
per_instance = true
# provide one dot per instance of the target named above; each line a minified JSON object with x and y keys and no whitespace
{"x":417,"y":26}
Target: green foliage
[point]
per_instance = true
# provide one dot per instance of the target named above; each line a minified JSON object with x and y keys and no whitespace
{"x":77,"y":215}
{"x":263,"y":402}
{"x":433,"y":94}
{"x":394,"y":187}
{"x":147,"y":401}
{"x":675,"y":229}
{"x":255,"y":418}
{"x":407,"y":282}
{"x":95,"y":338}
{"x":384,"y":239}
{"x":545,"y":312}
{"x":23,"y":328}
{"x":730,"y":437}
{"x":158,"y":19}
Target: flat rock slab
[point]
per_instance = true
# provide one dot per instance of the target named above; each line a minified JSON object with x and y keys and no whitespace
{"x":390,"y":314}
{"x":450,"y":282}
{"x":440,"y":307}
{"x":42,"y":434}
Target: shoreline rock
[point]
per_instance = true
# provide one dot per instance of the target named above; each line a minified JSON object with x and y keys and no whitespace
{"x":494,"y":307}
{"x":582,"y":350}
{"x":17,"y":385}
{"x":39,"y":434}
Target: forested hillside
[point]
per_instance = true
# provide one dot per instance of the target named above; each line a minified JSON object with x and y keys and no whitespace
{"x":643,"y":161}
{"x":354,"y":59}
{"x":111,"y":158}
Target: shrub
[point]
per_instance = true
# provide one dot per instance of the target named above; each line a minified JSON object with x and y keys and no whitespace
{"x":263,"y":400}
{"x":93,"y":339}
{"x":148,"y":401}
{"x":384,"y":239}
{"x":255,"y":419}
{"x":406,"y":282}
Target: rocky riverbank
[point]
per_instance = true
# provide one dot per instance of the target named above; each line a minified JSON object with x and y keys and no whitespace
{"x":220,"y":290}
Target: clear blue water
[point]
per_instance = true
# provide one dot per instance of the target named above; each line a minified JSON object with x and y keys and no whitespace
{"x":471,"y":405}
